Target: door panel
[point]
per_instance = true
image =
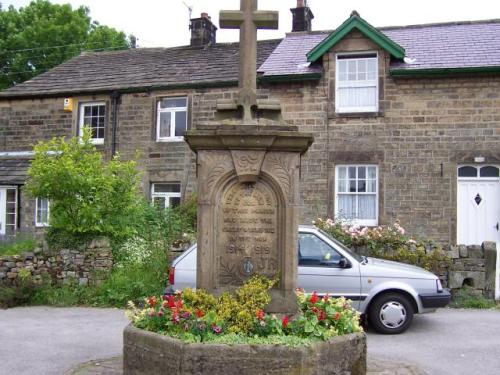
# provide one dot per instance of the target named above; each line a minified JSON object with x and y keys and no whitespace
{"x":319,"y":271}
{"x":478,"y":211}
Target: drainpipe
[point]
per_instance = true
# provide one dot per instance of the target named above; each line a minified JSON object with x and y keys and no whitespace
{"x":115,"y":102}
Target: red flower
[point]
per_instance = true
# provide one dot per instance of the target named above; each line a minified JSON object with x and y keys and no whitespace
{"x":171,"y":302}
{"x":175,"y":317}
{"x":314,"y":298}
{"x":179,"y":304}
{"x":160,"y":313}
{"x":152,"y":301}
{"x":314,"y":309}
{"x":199,"y":314}
{"x":322,"y":315}
{"x":284,"y":322}
{"x":259,"y":314}
{"x":336,"y":316}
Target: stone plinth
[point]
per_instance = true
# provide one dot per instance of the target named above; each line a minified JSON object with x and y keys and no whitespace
{"x":248,"y":201}
{"x":148,"y":353}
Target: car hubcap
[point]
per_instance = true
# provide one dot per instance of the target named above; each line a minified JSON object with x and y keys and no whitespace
{"x":392,"y":314}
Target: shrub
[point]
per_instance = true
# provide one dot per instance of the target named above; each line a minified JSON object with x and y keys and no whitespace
{"x":88,"y":197}
{"x":196,"y":316}
{"x":388,"y":242}
{"x":466,"y":298}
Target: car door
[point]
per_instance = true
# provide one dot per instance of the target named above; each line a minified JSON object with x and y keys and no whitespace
{"x":319,"y":269}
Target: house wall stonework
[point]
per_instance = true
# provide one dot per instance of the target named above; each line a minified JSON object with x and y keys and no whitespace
{"x":424,"y":129}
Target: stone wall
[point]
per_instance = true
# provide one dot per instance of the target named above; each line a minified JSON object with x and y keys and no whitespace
{"x":472,"y":266}
{"x":88,"y":265}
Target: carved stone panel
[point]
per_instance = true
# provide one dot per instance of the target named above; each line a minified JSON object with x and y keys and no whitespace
{"x":247,"y":242}
{"x":213,"y":165}
{"x":248,"y":164}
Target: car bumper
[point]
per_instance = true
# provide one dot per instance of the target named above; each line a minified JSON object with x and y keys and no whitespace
{"x":435,"y":300}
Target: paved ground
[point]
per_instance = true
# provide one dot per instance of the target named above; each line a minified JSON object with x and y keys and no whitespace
{"x":448,"y":342}
{"x":51,"y":341}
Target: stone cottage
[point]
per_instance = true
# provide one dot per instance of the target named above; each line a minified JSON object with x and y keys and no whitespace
{"x":406,"y":119}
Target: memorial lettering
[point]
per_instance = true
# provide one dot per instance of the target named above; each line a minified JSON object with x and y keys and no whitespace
{"x":248,"y":239}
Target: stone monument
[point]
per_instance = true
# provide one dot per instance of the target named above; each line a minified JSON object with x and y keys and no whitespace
{"x":248,"y":167}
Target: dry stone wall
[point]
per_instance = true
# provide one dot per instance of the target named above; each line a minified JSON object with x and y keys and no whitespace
{"x":86,"y":266}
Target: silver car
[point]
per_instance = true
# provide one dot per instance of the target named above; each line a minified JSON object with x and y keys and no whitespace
{"x":387,"y":293}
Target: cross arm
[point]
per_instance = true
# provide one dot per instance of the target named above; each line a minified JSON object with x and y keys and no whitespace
{"x":232,"y":19}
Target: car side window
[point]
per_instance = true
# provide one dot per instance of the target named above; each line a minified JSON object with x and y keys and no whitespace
{"x":313,"y":251}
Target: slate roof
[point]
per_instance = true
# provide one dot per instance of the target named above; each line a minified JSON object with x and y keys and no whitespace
{"x":14,"y":171}
{"x":142,"y":68}
{"x":434,"y":46}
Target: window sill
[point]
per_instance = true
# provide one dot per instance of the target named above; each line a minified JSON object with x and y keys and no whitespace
{"x":176,"y":139}
{"x":357,"y":114}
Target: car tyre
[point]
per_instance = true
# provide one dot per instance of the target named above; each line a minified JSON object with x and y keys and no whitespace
{"x":391,"y":313}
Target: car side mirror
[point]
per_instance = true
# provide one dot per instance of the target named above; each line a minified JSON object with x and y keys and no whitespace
{"x":344,"y":263}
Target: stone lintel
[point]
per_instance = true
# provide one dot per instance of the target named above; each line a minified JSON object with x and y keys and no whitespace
{"x":237,"y":139}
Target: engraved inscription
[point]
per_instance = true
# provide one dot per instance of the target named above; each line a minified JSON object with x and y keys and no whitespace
{"x":248,"y":237}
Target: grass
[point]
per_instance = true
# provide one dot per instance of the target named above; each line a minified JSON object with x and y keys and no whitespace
{"x":18,"y":246}
{"x":465,"y":298}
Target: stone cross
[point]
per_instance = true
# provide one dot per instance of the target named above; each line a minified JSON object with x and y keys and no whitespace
{"x":248,"y":19}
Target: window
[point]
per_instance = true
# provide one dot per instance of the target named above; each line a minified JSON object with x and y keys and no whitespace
{"x":313,"y":251}
{"x":487,"y":171}
{"x":93,"y":115}
{"x":356,"y":83}
{"x":8,"y":210}
{"x":42,"y":212}
{"x":356,"y":194}
{"x":166,"y":195}
{"x":171,"y":119}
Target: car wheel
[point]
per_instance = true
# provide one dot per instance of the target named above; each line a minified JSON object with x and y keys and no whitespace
{"x":391,"y":313}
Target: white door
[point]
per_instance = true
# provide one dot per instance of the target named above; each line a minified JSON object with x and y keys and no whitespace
{"x":478,"y":202}
{"x":3,"y":204}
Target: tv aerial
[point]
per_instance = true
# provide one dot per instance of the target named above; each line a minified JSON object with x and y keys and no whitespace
{"x":189,"y":7}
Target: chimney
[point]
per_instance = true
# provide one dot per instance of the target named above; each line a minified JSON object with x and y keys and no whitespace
{"x":203,"y":31}
{"x":302,"y":17}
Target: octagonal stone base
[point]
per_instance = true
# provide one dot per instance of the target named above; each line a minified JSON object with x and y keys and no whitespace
{"x":148,"y":353}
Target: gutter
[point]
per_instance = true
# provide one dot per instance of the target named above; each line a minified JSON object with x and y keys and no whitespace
{"x":115,"y":102}
{"x":443,"y":71}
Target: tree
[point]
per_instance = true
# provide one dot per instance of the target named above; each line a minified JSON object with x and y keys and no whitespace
{"x":42,"y":35}
{"x":88,"y":197}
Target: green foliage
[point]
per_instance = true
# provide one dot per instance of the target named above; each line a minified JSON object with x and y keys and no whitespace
{"x":43,"y":35}
{"x":466,"y":298}
{"x":88,"y":196}
{"x":196,"y":316}
{"x":22,"y":243}
{"x":387,"y":242}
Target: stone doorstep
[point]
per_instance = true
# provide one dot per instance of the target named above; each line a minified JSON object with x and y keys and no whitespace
{"x":114,"y":366}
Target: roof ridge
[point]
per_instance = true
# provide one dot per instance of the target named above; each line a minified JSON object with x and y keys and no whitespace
{"x":413,"y":26}
{"x":139,"y":49}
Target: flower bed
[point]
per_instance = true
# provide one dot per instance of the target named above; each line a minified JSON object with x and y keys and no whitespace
{"x":196,"y":316}
{"x":194,"y":332}
{"x":389,"y":242}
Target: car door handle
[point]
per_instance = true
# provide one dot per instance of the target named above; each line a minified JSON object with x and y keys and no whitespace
{"x":496,"y":226}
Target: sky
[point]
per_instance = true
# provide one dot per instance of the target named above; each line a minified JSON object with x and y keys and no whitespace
{"x":164,"y":23}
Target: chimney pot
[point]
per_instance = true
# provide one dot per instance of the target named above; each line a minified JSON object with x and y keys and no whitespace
{"x":301,"y":4}
{"x":205,"y":15}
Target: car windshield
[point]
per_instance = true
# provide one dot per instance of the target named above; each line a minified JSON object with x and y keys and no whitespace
{"x":358,"y":257}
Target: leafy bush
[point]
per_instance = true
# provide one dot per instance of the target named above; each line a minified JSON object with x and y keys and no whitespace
{"x":196,"y":316}
{"x":388,"y":242}
{"x":89,"y":197}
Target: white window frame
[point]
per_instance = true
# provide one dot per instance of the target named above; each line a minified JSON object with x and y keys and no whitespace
{"x":40,"y":224}
{"x":366,"y":83}
{"x":96,"y":141}
{"x":166,"y":195}
{"x":3,"y":210}
{"x":172,"y":111}
{"x":478,"y":169}
{"x":360,"y":222}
